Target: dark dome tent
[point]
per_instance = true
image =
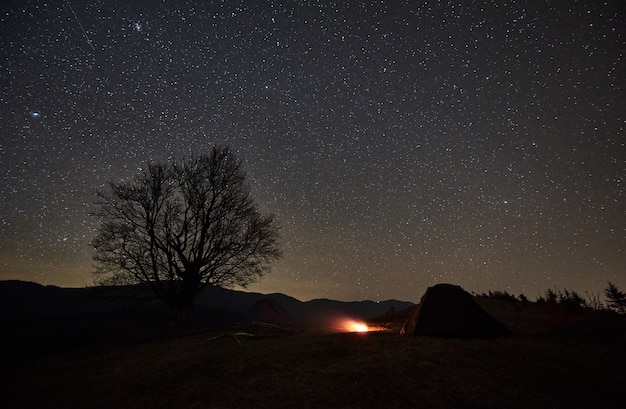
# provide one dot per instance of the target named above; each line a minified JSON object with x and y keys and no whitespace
{"x":447,"y":311}
{"x":268,"y":311}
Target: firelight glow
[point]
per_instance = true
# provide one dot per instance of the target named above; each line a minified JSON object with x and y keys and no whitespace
{"x":354,"y":326}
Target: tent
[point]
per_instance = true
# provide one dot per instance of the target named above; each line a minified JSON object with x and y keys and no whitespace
{"x":268,"y":311}
{"x":447,"y":310}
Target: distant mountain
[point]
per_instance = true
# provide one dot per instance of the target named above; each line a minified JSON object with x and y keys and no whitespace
{"x":314,"y":311}
{"x":49,"y":319}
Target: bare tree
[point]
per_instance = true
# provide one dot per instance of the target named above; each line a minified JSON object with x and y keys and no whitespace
{"x":178,"y":227}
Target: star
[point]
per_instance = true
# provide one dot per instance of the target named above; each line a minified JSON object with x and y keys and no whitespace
{"x":394,"y":150}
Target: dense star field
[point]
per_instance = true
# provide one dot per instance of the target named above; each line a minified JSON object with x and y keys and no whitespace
{"x":399,"y":143}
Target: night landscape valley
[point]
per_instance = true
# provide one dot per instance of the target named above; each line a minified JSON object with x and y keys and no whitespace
{"x":556,"y":357}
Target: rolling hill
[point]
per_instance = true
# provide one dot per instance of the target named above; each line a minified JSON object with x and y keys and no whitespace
{"x":48,"y":319}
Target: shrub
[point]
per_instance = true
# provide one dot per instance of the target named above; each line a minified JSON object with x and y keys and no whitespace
{"x":571,"y":300}
{"x":501,"y":295}
{"x":550,"y":297}
{"x":594,"y":301}
{"x":568,"y":299}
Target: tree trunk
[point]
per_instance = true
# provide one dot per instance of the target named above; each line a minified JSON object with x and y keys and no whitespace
{"x":183,"y":306}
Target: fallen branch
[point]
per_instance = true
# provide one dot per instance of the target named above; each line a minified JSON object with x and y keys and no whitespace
{"x":257,"y":330}
{"x":235,"y":335}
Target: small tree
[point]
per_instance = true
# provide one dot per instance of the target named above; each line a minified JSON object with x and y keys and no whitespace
{"x":616,"y":298}
{"x":550,"y":297}
{"x":178,"y":227}
{"x":571,"y":300}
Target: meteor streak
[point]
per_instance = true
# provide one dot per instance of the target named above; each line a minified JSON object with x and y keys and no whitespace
{"x":81,"y":26}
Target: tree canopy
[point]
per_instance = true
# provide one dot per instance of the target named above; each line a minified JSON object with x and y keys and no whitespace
{"x":180,"y":226}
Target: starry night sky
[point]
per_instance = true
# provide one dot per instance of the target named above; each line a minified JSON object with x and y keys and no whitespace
{"x":399,"y":143}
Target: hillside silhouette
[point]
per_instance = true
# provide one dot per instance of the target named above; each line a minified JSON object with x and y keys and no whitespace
{"x":68,"y":318}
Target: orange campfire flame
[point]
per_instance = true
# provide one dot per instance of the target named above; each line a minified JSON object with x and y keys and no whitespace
{"x":355,"y":326}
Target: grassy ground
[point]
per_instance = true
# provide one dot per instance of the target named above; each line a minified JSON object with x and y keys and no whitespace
{"x":542,"y":367}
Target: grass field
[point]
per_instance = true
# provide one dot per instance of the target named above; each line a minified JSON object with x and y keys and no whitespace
{"x":577,"y":364}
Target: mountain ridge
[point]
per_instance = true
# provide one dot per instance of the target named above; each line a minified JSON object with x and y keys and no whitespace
{"x":73,"y":317}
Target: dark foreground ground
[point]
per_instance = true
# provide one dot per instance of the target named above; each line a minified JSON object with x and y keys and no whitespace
{"x":578,"y":361}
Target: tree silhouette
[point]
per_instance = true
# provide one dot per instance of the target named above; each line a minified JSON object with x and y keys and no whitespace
{"x":178,"y":227}
{"x":616,"y":298}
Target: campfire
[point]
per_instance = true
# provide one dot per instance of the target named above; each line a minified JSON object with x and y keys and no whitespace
{"x":355,"y":326}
